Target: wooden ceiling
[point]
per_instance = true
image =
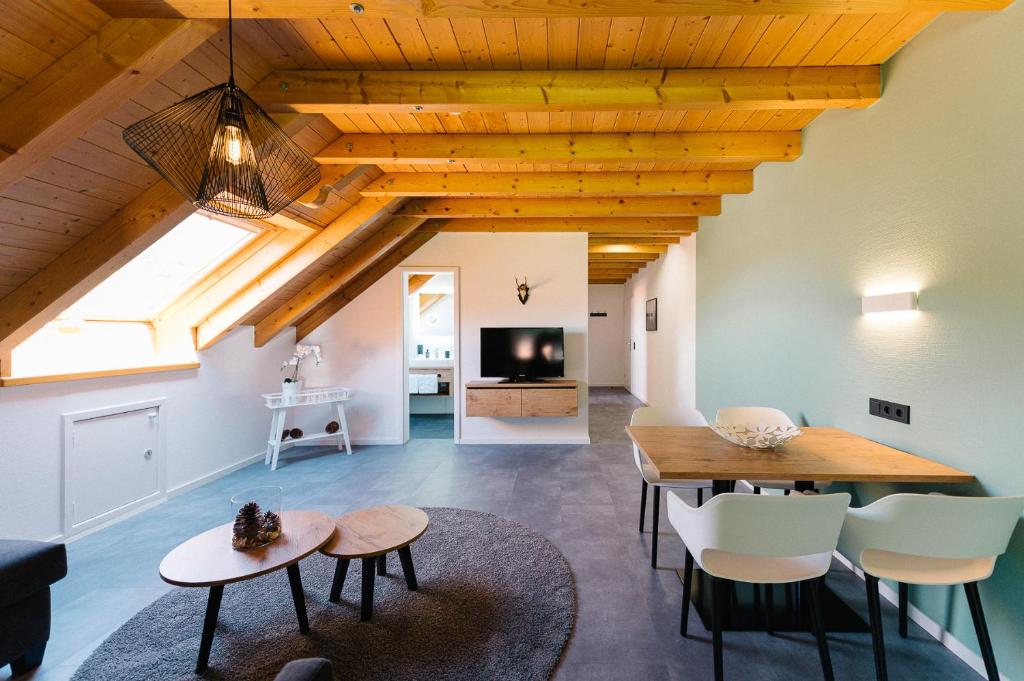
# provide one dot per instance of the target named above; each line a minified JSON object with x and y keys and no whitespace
{"x":625,"y":120}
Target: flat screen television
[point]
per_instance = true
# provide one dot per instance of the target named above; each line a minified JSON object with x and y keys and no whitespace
{"x":522,"y":354}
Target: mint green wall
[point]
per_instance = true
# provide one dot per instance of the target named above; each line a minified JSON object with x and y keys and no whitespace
{"x":925,"y":190}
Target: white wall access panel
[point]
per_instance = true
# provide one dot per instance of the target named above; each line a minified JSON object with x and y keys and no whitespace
{"x":113,"y":463}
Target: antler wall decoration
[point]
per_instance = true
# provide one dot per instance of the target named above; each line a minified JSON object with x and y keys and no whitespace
{"x":522,"y":290}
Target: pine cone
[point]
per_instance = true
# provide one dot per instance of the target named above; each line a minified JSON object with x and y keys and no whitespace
{"x":332,"y":427}
{"x":245,"y":532}
{"x":271,"y":526}
{"x":296,"y":433}
{"x":285,"y":433}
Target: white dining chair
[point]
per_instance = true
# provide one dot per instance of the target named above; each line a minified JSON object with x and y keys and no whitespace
{"x":759,"y":540}
{"x":929,"y":539}
{"x":767,"y":416}
{"x":657,"y":416}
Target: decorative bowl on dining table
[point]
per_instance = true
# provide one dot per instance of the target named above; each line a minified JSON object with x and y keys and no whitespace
{"x":756,"y":436}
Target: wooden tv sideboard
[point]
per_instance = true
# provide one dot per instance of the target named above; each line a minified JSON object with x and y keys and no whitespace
{"x":508,"y":400}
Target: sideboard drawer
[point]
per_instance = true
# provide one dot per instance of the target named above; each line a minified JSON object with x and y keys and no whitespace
{"x":494,"y":402}
{"x":550,"y":402}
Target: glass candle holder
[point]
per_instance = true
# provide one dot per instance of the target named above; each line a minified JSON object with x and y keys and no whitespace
{"x":257,"y":517}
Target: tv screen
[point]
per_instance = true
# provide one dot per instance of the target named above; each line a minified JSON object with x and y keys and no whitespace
{"x":522,"y":354}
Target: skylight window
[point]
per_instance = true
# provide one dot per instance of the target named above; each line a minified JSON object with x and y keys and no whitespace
{"x":111,"y":327}
{"x":149,"y":283}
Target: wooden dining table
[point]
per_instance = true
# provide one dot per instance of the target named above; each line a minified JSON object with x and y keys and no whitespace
{"x":818,"y":454}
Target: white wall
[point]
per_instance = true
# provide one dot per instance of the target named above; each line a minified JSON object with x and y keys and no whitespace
{"x":363,"y":342}
{"x":661,"y":367}
{"x":213,"y":419}
{"x":922,"y":191}
{"x":607,"y":337}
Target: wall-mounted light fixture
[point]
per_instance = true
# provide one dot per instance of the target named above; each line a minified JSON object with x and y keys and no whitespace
{"x":890,"y":302}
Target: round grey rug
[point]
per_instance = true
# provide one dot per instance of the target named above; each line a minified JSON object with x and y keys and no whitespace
{"x":496,"y":600}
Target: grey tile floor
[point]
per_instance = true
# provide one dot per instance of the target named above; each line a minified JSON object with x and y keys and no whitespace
{"x":584,"y":498}
{"x":431,"y":426}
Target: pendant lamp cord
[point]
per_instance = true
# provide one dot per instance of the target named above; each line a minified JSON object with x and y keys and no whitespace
{"x":231,"y":49}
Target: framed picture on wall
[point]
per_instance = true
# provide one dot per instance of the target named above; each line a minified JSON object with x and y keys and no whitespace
{"x":652,"y":314}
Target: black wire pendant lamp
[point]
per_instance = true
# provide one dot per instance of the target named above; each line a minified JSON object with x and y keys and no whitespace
{"x":223,"y":152}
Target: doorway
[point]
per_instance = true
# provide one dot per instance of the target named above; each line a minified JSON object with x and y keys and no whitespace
{"x":430,"y":349}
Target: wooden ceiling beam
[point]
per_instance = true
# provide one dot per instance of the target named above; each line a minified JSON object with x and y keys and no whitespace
{"x":389,"y":9}
{"x":622,"y":257}
{"x":329,"y":307}
{"x":591,"y":184}
{"x":337,"y":276}
{"x":680,"y":225}
{"x":611,"y":147}
{"x":563,"y":208}
{"x":802,"y":87}
{"x":88,"y":83}
{"x":613,"y":272}
{"x":418,"y":281}
{"x":674,"y":236}
{"x":621,"y":248}
{"x":231,"y":313}
{"x":638,"y":240}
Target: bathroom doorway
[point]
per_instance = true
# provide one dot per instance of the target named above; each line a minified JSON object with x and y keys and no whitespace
{"x":431,"y":353}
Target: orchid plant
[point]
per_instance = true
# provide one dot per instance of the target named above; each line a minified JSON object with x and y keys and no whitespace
{"x":301,"y":352}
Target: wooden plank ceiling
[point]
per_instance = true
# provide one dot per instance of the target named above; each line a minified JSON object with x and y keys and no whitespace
{"x":455,"y":115}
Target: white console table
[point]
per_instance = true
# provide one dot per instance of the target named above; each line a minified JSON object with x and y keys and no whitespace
{"x":279,"y":404}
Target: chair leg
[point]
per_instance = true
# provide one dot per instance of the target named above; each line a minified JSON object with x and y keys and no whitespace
{"x":643,"y":504}
{"x":769,"y":608}
{"x":700,"y":497}
{"x":654,"y":522}
{"x":757,"y":490}
{"x":382,"y":564}
{"x":984,"y":642}
{"x":687,"y":588}
{"x":877,"y":638}
{"x":718,"y":596}
{"x":818,"y":623}
{"x":32,"y":658}
{"x":904,"y":590}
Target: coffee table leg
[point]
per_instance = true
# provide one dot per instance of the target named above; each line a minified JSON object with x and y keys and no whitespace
{"x":299,"y":596}
{"x":209,"y":624}
{"x":382,"y":564}
{"x":405,"y":555}
{"x":340,"y":571}
{"x":369,"y":568}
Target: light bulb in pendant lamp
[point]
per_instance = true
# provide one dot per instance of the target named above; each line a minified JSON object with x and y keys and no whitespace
{"x":223,"y":152}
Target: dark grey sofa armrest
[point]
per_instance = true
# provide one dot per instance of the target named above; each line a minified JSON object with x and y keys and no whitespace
{"x":29,"y":566}
{"x":309,"y":669}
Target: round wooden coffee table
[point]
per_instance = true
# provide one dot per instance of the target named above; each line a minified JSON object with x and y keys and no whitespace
{"x":207,"y":560}
{"x":370,"y":534}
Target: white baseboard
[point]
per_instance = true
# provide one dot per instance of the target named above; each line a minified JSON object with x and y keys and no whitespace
{"x":525,"y":441}
{"x":607,"y":385}
{"x":639,"y":397}
{"x":934,"y":629}
{"x":219,"y":473}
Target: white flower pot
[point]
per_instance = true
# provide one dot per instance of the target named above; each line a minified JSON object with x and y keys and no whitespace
{"x":292,"y":388}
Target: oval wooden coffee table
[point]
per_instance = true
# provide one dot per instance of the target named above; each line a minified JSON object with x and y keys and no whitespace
{"x":207,"y":560}
{"x":371,"y":534}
